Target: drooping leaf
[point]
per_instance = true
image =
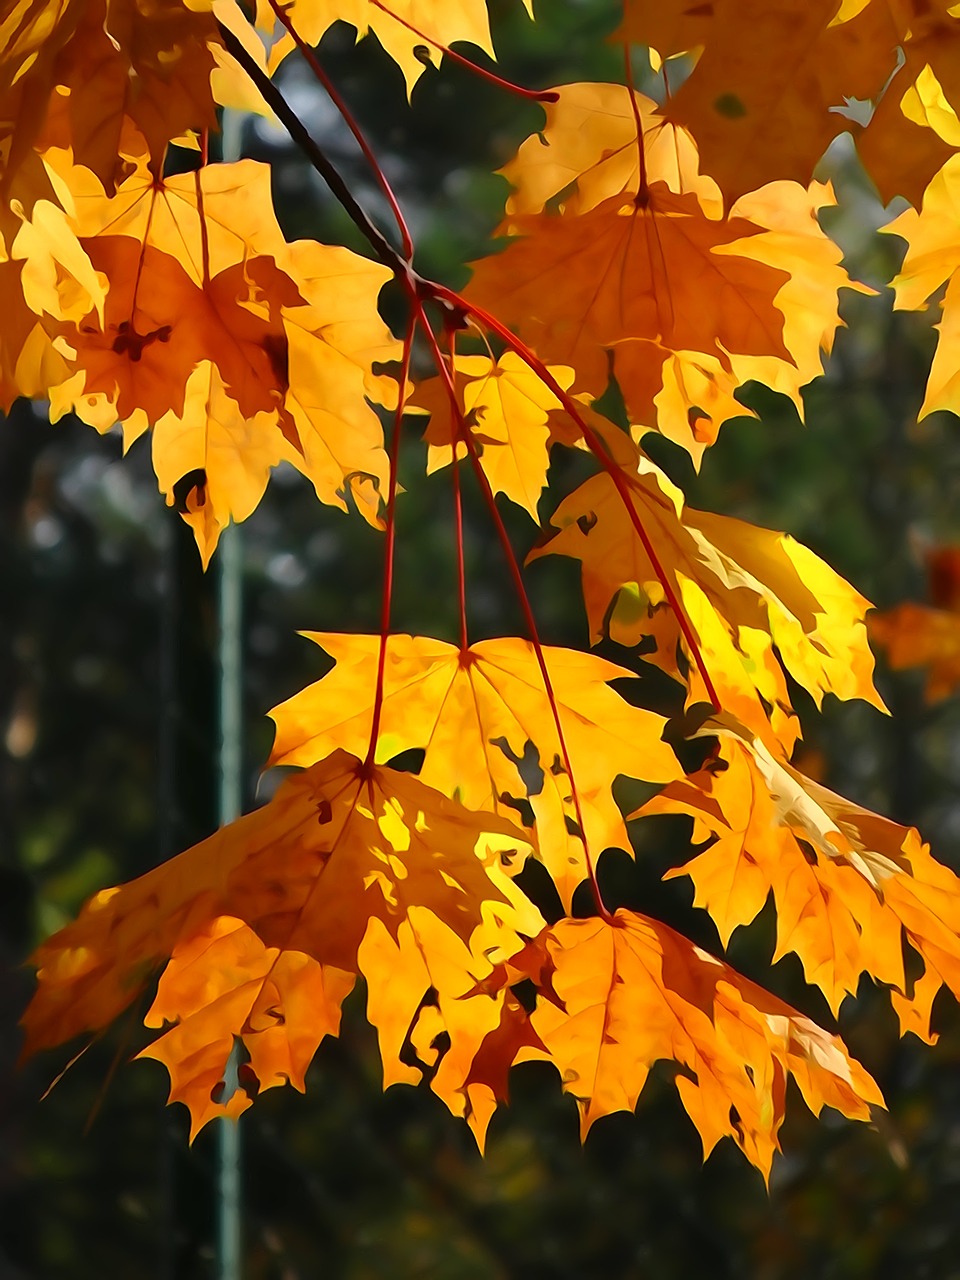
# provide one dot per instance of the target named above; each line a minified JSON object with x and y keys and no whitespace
{"x":300,"y":879}
{"x":847,"y":883}
{"x":631,"y":992}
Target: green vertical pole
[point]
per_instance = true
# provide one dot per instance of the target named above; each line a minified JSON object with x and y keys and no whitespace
{"x":230,"y":804}
{"x":230,"y":554}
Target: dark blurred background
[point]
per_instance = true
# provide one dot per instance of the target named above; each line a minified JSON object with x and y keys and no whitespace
{"x":107,"y":766}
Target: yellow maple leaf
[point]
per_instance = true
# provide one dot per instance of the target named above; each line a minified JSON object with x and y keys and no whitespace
{"x":631,"y":991}
{"x":440,"y":21}
{"x":485,"y":721}
{"x":589,"y":143}
{"x":506,"y":407}
{"x":933,"y":256}
{"x":745,"y":590}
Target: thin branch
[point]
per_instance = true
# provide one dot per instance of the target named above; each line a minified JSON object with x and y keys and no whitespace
{"x":514,"y":568}
{"x":532,"y":95}
{"x":381,"y":246}
{"x":351,"y":122}
{"x":390,"y":541}
{"x":601,"y":453}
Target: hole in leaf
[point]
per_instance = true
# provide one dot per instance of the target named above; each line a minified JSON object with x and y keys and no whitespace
{"x":195,"y":479}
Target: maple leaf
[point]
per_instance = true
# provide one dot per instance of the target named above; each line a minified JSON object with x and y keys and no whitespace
{"x":588,"y":150}
{"x":223,"y":984}
{"x":301,"y":878}
{"x":688,"y":305}
{"x":761,"y":101}
{"x":239,"y":348}
{"x":77,"y":75}
{"x":506,"y":408}
{"x":744,"y":591}
{"x":647,"y":271}
{"x":847,"y":883}
{"x":440,"y":22}
{"x":631,"y":991}
{"x":486,"y":724}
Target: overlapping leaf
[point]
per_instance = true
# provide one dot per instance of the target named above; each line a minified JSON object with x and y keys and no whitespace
{"x":178,"y":304}
{"x":588,"y":150}
{"x":485,"y":721}
{"x":687,"y":305}
{"x":630,"y":992}
{"x":300,"y":880}
{"x":743,"y":589}
{"x":768,"y":91}
{"x":80,"y":74}
{"x":506,"y":407}
{"x":847,"y":883}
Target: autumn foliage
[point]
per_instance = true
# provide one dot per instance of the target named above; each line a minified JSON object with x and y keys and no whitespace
{"x":671,"y":246}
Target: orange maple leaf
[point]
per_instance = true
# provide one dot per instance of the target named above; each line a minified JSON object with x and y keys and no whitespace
{"x":762,"y":101}
{"x":631,"y":991}
{"x":80,"y":75}
{"x":506,"y":407}
{"x":338,"y":847}
{"x":688,"y":305}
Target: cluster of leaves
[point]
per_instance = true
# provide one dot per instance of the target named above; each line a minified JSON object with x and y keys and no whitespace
{"x":673,"y":249}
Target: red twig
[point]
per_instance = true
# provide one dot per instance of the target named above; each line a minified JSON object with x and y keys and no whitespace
{"x":643,"y":190}
{"x":391,"y":537}
{"x":533,"y":95}
{"x":599,"y":450}
{"x":419,"y":290}
{"x":514,"y":569}
{"x":458,"y":517}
